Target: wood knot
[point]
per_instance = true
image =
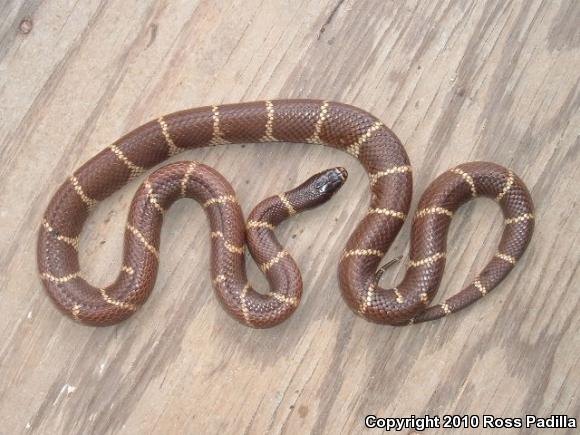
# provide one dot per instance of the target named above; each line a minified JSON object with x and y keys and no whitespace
{"x":25,"y":26}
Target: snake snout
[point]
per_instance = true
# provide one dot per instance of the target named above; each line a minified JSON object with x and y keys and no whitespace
{"x":342,"y":173}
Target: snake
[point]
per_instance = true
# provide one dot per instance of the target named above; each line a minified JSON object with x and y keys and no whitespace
{"x":332,"y":124}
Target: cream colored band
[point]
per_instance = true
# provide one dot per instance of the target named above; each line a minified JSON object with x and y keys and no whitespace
{"x":522,"y":218}
{"x":260,"y":224}
{"x":433,"y":210}
{"x":354,"y":148}
{"x":62,"y":279}
{"x":135,"y":170}
{"x":363,"y":252}
{"x":220,"y":200}
{"x":323,"y":114}
{"x":428,"y":260}
{"x":219,"y":279}
{"x":76,"y":310}
{"x":245,"y":311}
{"x":234,"y":249}
{"x":218,"y":137}
{"x":479,"y":286}
{"x":269,"y":135}
{"x":79,"y":190}
{"x":374,"y":178}
{"x":172,"y":148}
{"x":116,"y":302}
{"x":368,"y":299}
{"x":388,"y":212}
{"x":279,"y":256}
{"x":506,"y":257}
{"x":190,"y":168}
{"x":152,"y":197}
{"x":72,"y":241}
{"x":139,"y":235}
{"x":287,"y":204}
{"x":284,"y":299}
{"x":468,"y":179}
{"x":508,"y":185}
{"x":128,"y":270}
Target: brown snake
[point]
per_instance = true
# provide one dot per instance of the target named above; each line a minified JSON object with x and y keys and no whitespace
{"x":319,"y":122}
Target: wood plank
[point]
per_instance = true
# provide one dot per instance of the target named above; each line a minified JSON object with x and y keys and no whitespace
{"x":457,"y":81}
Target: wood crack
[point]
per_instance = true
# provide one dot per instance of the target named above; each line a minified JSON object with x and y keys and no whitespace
{"x":329,"y":18}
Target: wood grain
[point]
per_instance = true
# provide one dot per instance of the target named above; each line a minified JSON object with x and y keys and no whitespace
{"x":456,"y":80}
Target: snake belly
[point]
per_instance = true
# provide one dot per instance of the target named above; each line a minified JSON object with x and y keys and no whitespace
{"x":300,"y":121}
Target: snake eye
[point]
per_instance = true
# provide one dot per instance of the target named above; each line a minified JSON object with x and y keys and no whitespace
{"x":323,"y":184}
{"x":320,"y":184}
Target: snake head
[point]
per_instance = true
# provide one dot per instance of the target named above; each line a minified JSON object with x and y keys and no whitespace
{"x":320,"y":187}
{"x":328,"y":182}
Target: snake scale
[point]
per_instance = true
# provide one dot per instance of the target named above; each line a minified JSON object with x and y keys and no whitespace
{"x":299,"y":121}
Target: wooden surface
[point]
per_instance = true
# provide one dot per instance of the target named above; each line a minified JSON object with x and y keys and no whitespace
{"x":456,"y":80}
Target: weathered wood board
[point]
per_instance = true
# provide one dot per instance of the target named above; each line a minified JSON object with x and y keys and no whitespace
{"x":456,"y":80}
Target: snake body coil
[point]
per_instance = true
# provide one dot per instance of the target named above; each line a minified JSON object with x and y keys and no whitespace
{"x":318,"y":122}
